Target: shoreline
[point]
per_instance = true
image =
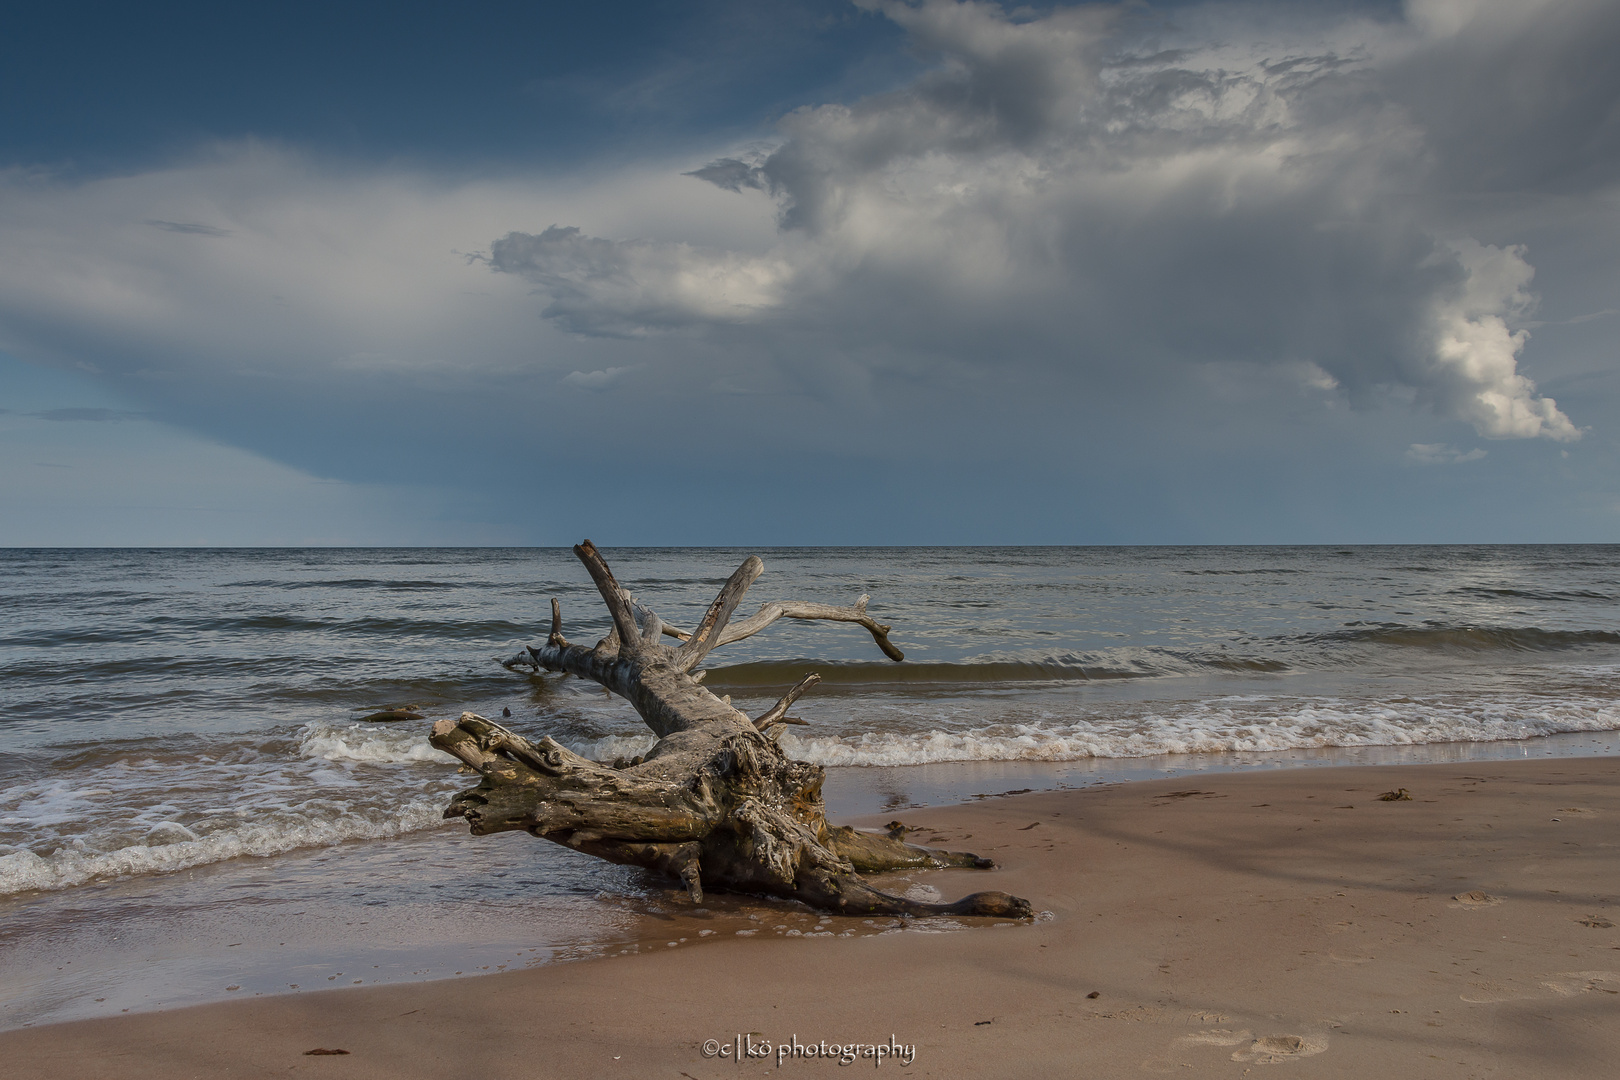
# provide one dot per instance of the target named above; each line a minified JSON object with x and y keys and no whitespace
{"x":439,"y":904}
{"x":1237,"y":919}
{"x":855,"y":790}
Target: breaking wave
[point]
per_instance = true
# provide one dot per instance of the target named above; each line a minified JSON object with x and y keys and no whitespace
{"x":151,"y":808}
{"x":170,"y":845}
{"x":359,"y":742}
{"x":987,"y":671}
{"x":1245,"y":724}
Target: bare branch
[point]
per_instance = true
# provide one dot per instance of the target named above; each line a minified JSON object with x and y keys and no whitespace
{"x":788,"y":609}
{"x":613,"y":594}
{"x":777,"y":714}
{"x":707,"y":634}
{"x":556,"y":639}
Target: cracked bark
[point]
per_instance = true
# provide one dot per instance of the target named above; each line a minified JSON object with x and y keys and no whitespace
{"x":715,"y":802}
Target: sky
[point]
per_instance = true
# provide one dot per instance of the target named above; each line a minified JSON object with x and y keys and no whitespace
{"x":792,"y":272}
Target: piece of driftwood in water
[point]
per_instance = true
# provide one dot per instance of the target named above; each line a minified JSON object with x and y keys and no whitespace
{"x":715,"y":803}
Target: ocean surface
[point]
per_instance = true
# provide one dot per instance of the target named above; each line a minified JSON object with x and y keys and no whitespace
{"x":184,"y":759}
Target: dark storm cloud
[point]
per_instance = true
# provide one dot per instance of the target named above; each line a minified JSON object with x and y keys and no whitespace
{"x":1049,"y":189}
{"x":616,"y":288}
{"x":731,"y":174}
{"x":1519,"y":97}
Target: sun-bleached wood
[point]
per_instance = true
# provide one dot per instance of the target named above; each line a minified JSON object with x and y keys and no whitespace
{"x":715,"y":803}
{"x":777,"y":714}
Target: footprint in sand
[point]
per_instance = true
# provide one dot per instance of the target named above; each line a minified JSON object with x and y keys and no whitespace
{"x":1476,"y":899}
{"x":1208,"y":1018}
{"x":1272,"y":1049}
{"x":1582,"y":982}
{"x":1488,"y":993}
{"x":1266,"y":1050}
{"x":1218,"y":1037}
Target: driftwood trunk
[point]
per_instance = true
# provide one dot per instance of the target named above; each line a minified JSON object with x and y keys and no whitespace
{"x":715,"y":803}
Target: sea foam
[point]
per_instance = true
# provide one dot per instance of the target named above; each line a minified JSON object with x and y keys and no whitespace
{"x":364,"y":742}
{"x":155,"y":806}
{"x":156,"y":809}
{"x":1246,"y":724}
{"x":171,"y":846}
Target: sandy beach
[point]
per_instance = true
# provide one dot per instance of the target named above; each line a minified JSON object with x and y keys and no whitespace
{"x":1241,"y":923}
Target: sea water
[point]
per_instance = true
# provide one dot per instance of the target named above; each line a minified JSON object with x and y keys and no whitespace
{"x":184,"y":757}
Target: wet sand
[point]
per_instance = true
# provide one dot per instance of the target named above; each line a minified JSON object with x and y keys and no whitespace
{"x":1209,"y":926}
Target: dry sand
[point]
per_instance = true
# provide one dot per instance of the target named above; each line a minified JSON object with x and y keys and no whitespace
{"x":1284,"y":923}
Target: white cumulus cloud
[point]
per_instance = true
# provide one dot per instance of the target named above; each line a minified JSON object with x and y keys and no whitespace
{"x":1476,"y":352}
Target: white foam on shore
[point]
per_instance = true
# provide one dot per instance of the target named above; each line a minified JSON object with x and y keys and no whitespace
{"x":373,"y":743}
{"x":401,"y":744}
{"x":1247,"y":724}
{"x":156,"y":809}
{"x":171,"y":846}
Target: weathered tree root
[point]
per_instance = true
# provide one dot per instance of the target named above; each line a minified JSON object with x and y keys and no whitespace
{"x":715,"y":803}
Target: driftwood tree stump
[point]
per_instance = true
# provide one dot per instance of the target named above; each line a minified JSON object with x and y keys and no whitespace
{"x":715,"y":803}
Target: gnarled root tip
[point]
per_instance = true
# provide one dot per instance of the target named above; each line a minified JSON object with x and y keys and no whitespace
{"x":871,"y":853}
{"x":693,"y":880}
{"x":998,"y":905}
{"x":850,"y":895}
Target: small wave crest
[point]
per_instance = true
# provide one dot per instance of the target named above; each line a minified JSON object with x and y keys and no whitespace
{"x":366,"y":742}
{"x":364,"y":584}
{"x":168,"y":846}
{"x":153,"y":807}
{"x":393,"y":745}
{"x":1505,"y":593}
{"x":989,"y":671}
{"x":1467,"y":638}
{"x":1241,"y":724}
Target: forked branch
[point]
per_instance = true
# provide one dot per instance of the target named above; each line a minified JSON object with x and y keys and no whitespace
{"x":787,"y":609}
{"x":707,"y":635}
{"x":777,"y":714}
